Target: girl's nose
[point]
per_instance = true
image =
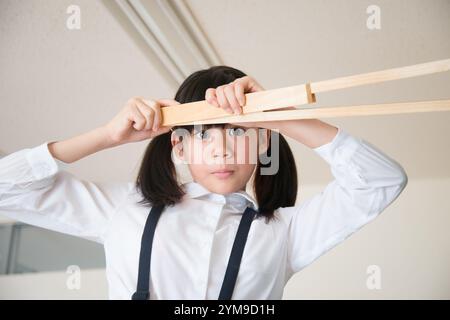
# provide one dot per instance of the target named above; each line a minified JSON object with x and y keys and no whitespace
{"x":221,"y":148}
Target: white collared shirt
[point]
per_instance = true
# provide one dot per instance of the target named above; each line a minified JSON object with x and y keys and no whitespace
{"x":193,"y":239}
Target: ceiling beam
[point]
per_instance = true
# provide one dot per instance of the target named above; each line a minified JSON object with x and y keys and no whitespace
{"x":167,"y":29}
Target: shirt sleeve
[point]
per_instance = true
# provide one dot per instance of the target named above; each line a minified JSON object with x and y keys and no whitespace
{"x":365,"y":182}
{"x":36,"y":189}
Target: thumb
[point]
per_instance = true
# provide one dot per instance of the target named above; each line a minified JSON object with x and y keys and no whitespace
{"x":167,"y":102}
{"x":161,"y":130}
{"x":250,"y":84}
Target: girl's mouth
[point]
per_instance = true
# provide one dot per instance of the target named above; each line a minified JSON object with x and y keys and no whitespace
{"x":223,"y":174}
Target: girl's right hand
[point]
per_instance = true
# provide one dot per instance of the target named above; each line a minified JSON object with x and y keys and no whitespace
{"x":138,"y":120}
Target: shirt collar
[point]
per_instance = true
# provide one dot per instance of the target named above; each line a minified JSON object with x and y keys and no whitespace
{"x":239,"y":199}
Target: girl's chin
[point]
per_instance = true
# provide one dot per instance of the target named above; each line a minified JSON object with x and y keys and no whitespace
{"x":222,"y":186}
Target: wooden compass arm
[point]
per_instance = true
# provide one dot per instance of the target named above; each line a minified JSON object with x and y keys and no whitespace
{"x":338,"y":112}
{"x":257,"y":102}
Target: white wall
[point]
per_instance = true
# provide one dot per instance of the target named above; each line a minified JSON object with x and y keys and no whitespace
{"x":409,"y":241}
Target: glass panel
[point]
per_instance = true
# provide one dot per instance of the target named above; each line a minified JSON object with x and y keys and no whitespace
{"x":5,"y":237}
{"x":40,"y":250}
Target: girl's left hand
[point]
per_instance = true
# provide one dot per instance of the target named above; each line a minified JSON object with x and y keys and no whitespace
{"x":231,"y":98}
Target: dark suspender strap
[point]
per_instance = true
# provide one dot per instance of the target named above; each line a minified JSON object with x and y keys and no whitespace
{"x":229,"y":281}
{"x":234,"y":262}
{"x":143,"y":292}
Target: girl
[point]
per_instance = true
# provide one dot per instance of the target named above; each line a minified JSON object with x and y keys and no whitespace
{"x":213,"y":240}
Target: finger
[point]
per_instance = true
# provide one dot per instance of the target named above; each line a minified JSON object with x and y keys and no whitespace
{"x":166,"y":102}
{"x":157,"y":117}
{"x":135,"y":116}
{"x":250,"y":84}
{"x":163,"y":129}
{"x":210,"y":97}
{"x":148,"y":112}
{"x":239,"y":93}
{"x":223,"y":102}
{"x":255,"y":86}
{"x":230,"y":95}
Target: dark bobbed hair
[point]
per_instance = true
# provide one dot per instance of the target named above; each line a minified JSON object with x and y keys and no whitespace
{"x":157,"y":178}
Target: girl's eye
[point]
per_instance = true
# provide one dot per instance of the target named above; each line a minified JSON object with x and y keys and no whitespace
{"x":202,"y":135}
{"x":236,"y":132}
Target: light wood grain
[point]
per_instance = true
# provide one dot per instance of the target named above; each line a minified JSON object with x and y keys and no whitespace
{"x":255,"y":102}
{"x":381,"y":76}
{"x":337,"y":112}
{"x":198,"y":112}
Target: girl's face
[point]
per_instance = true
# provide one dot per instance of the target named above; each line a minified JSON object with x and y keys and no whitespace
{"x":220,"y":159}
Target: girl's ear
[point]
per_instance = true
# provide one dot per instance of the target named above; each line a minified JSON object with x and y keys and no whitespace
{"x":177,"y":145}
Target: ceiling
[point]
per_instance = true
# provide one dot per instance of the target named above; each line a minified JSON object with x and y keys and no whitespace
{"x":56,"y":82}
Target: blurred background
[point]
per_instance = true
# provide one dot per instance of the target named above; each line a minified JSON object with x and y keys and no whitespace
{"x":61,"y":77}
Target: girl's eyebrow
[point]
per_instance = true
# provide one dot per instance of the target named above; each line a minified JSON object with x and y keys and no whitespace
{"x":226,"y":126}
